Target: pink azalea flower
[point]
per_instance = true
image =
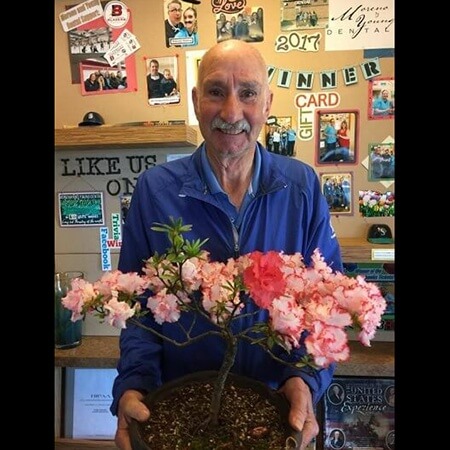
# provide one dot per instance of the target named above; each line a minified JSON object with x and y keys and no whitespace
{"x":298,"y":298}
{"x":164,"y":307}
{"x":327,"y":344}
{"x":119,"y":313}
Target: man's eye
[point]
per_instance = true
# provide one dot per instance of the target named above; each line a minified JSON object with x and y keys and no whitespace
{"x":248,"y":94}
{"x":214,"y":92}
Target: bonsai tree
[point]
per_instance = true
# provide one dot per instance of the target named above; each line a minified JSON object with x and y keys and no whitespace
{"x":299,"y":299}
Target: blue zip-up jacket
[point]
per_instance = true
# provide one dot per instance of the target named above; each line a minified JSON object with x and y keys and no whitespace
{"x":288,"y":213}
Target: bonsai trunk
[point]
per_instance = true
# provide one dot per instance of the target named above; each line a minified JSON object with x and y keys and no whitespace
{"x":228,"y":361}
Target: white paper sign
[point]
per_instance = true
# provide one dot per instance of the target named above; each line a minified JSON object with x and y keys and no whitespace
{"x":382,"y":254}
{"x":88,"y":398}
{"x":360,"y":24}
{"x":81,"y":14}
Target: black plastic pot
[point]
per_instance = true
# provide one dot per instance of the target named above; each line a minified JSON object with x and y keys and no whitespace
{"x":293,"y":438}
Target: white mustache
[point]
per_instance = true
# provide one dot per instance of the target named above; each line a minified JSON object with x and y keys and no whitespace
{"x":237,"y":127}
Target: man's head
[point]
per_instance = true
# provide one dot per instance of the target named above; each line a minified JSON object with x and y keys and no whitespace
{"x":232,"y":98}
{"x":154,"y":67}
{"x":385,"y":94}
{"x":174,"y":10}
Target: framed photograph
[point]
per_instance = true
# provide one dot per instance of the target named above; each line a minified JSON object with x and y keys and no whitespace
{"x":103,"y":79}
{"x":162,"y":80}
{"x":81,"y":209}
{"x":382,"y":162}
{"x":382,"y":98}
{"x":280,"y":135}
{"x":337,"y":137}
{"x":337,"y":189}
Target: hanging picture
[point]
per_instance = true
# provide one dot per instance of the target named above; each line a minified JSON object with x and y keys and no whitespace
{"x":193,"y":58}
{"x":100,"y":79}
{"x":105,"y":43}
{"x":304,"y":15}
{"x":337,"y":137}
{"x":125,"y":201}
{"x":382,"y":162}
{"x":280,"y":136}
{"x":376,"y":204}
{"x":337,"y":189}
{"x":180,"y":24}
{"x":245,"y":24}
{"x":381,"y":98}
{"x":162,"y":80}
{"x":81,"y":209}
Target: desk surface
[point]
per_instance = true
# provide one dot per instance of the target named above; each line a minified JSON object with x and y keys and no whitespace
{"x":103,"y":352}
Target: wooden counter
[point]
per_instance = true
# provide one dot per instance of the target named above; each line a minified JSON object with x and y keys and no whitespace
{"x":356,"y":250}
{"x":103,"y":352}
{"x":79,"y":138}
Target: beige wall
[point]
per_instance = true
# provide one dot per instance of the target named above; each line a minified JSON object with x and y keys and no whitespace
{"x":78,"y":248}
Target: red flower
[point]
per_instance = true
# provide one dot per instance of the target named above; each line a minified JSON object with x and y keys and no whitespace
{"x":264,"y":278}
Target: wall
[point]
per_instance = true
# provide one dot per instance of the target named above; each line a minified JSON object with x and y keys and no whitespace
{"x":78,"y":248}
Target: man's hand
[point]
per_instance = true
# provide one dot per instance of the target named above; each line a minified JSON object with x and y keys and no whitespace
{"x":301,"y":414}
{"x":130,"y":407}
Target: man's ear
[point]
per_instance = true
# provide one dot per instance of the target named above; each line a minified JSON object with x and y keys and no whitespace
{"x":268,"y":104}
{"x":194,"y":96}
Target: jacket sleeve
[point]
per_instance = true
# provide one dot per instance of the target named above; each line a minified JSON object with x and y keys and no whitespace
{"x":139,"y":363}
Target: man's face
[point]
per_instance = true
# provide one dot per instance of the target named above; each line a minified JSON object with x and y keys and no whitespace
{"x":233,"y":91}
{"x":154,"y":67}
{"x":174,"y":11}
{"x":385,"y":94}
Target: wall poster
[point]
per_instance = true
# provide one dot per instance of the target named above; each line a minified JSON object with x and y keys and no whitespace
{"x":337,"y":137}
{"x":381,"y":98}
{"x":162,"y":80}
{"x":81,"y":209}
{"x":101,"y":50}
{"x":337,"y":189}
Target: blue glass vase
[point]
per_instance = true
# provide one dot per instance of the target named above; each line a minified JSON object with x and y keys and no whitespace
{"x":67,"y":333}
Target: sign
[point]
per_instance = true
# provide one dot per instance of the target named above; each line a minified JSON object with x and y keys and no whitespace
{"x":80,"y":209}
{"x":88,"y":399}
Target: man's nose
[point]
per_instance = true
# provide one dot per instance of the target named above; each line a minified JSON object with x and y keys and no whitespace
{"x":231,"y":109}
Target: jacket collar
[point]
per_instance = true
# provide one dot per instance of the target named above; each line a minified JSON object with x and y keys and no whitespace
{"x":271,"y":176}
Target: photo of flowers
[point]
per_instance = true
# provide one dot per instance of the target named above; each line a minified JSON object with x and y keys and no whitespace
{"x":376,"y":204}
{"x":381,"y":161}
{"x":337,"y":189}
